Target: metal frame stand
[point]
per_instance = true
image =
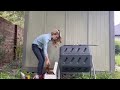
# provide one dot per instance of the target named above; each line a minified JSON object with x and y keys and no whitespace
{"x":59,"y":75}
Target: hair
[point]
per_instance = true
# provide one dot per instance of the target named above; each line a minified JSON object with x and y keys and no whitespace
{"x":58,"y":40}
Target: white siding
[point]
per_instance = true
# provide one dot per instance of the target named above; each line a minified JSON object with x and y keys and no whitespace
{"x":99,"y":35}
{"x":35,"y":27}
{"x":77,"y":27}
{"x":54,"y":19}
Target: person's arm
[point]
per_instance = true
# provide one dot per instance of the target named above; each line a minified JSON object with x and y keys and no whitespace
{"x":45,"y":51}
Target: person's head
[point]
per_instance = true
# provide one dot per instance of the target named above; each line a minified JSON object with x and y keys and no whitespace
{"x":56,"y":37}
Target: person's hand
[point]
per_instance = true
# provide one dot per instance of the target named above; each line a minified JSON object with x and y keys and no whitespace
{"x":47,"y":62}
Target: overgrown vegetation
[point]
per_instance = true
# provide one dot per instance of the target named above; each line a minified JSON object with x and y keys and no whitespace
{"x":100,"y":75}
{"x":16,"y":17}
{"x":117,"y":59}
{"x":117,"y":47}
{"x":12,"y":69}
{"x":117,"y":52}
{"x":10,"y":74}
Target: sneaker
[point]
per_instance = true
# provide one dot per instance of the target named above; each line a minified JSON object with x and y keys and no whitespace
{"x":41,"y":76}
{"x":22,"y":75}
{"x":36,"y":77}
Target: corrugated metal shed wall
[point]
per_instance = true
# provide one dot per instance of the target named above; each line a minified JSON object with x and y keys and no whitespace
{"x":99,"y":35}
{"x":77,"y":27}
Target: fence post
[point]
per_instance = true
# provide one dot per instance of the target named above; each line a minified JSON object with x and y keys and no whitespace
{"x":15,"y":41}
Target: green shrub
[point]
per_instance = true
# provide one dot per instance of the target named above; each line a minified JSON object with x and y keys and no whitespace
{"x":117,"y":47}
{"x":117,"y":59}
{"x":104,"y":75}
{"x":82,"y":76}
{"x":19,"y":52}
{"x":10,"y":75}
{"x":116,"y":75}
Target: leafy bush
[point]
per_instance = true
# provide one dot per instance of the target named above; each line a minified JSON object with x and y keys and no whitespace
{"x":82,"y":76}
{"x":117,"y":59}
{"x":104,"y":75}
{"x":8,"y":75}
{"x":19,"y":51}
{"x":117,"y":47}
{"x":16,"y":17}
{"x":19,"y":54}
{"x":116,"y":75}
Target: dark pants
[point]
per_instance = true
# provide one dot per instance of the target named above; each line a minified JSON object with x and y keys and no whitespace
{"x":40,"y":56}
